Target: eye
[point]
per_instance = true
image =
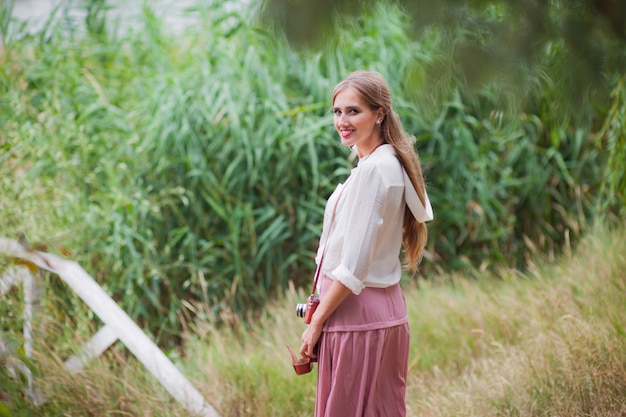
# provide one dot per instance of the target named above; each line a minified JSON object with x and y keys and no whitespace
{"x":353,"y":111}
{"x":337,"y":111}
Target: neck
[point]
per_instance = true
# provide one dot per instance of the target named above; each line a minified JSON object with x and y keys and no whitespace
{"x":369,"y":150}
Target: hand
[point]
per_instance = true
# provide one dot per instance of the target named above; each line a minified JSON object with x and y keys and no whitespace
{"x":335,"y":296}
{"x":310,"y":337}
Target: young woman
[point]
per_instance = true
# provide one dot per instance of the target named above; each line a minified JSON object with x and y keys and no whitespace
{"x":361,"y":326}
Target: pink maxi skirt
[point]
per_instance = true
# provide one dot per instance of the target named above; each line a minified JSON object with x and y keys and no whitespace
{"x":363,"y":356}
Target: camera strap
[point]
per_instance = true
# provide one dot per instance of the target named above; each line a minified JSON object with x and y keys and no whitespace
{"x":330,"y":227}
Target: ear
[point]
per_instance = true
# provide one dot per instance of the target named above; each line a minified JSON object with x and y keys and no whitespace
{"x":380,"y":114}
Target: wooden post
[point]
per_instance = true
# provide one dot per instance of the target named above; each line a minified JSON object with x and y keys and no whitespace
{"x":14,"y":275}
{"x":31,"y":304}
{"x":17,"y":275}
{"x":100,"y":342}
{"x":117,"y":325}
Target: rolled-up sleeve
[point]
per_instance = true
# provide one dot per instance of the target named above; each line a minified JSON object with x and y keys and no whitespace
{"x":347,"y":278}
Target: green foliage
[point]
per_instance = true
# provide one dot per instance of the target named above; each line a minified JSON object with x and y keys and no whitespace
{"x":614,"y":133}
{"x":168,"y":166}
{"x":194,"y":167}
{"x":488,"y":39}
{"x":16,"y":378}
{"x":520,"y":186}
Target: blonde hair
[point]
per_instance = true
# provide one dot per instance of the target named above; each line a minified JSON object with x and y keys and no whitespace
{"x":373,"y":89}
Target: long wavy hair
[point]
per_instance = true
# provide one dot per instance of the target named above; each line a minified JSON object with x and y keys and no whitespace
{"x":373,"y":89}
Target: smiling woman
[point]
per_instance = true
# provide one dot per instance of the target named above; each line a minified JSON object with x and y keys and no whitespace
{"x":360,"y":328}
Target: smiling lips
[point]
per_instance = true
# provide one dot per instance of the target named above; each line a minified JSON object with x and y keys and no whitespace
{"x":345,"y":133}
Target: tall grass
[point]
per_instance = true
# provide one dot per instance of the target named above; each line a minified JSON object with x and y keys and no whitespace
{"x":614,"y":132}
{"x":528,"y":186}
{"x":194,"y":167}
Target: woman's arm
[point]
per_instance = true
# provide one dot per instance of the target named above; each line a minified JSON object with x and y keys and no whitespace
{"x":332,"y":299}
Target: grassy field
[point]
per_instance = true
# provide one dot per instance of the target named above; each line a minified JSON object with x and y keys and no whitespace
{"x":547,"y":343}
{"x":550,"y":342}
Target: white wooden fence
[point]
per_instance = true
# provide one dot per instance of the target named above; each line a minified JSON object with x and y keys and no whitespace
{"x":117,"y":324}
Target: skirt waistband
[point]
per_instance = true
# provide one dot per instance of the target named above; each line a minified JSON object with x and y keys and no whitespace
{"x":373,"y":308}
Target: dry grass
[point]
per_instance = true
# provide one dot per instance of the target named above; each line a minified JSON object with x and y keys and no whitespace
{"x":549,"y":343}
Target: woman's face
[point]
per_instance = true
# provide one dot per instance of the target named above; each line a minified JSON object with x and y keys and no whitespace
{"x":356,"y":122}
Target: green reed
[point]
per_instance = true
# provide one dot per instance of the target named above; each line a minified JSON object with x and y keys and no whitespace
{"x":195,"y":167}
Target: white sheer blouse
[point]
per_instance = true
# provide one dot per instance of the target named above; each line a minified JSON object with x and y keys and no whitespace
{"x":366,"y":237}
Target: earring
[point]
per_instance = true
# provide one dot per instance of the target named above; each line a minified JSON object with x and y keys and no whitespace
{"x":378,"y":122}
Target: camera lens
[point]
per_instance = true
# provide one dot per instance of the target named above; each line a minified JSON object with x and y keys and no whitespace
{"x":300,"y":310}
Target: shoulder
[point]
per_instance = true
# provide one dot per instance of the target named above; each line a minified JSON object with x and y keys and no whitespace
{"x":382,"y":163}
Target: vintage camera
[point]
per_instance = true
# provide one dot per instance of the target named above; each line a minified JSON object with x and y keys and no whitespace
{"x":307,"y":310}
